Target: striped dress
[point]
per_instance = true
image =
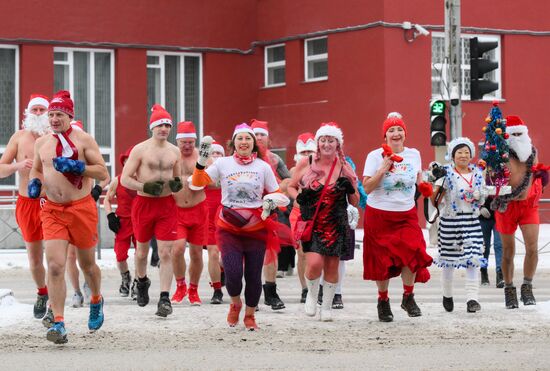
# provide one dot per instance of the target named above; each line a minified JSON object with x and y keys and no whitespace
{"x":460,"y":239}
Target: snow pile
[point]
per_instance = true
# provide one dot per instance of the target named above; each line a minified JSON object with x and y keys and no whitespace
{"x":11,"y":311}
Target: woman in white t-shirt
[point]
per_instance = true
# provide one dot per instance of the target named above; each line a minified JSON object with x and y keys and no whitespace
{"x":244,"y":232}
{"x":393,"y":244}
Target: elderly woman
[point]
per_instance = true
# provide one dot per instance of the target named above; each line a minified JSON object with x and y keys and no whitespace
{"x":323,"y":184}
{"x":393,"y":244}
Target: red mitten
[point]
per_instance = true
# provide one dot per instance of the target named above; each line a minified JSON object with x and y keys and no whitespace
{"x":425,"y":189}
{"x":387,"y":152}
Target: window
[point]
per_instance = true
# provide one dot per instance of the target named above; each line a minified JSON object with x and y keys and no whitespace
{"x":89,"y":75}
{"x":316,"y":59}
{"x":174,"y":80}
{"x":275,"y":65}
{"x":9,"y":103}
{"x":439,"y":65}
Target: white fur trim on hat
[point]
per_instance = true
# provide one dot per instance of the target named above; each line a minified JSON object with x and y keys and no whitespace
{"x":456,"y":142}
{"x":216,"y":147}
{"x":242,"y":128}
{"x":160,"y":122}
{"x":261,"y":131}
{"x":186,"y":135}
{"x":38,"y":101}
{"x":395,"y":114}
{"x":331,"y":131}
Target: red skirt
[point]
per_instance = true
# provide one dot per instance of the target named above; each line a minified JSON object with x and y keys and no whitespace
{"x":393,"y":240}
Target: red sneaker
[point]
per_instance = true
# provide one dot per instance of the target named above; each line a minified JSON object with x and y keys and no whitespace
{"x":250,"y":322}
{"x":194,"y":296}
{"x":181,"y":292}
{"x":233,"y":315}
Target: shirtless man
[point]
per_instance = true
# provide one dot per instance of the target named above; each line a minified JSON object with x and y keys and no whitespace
{"x":20,"y":149}
{"x":66,"y":164}
{"x":153,"y":170}
{"x":519,"y":208}
{"x":192,"y":219}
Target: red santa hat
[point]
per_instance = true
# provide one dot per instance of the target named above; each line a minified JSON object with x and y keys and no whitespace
{"x":217,"y":147}
{"x":124,"y":156}
{"x":393,"y":119}
{"x":38,"y":100}
{"x":159,"y":116}
{"x":186,"y":129}
{"x":62,"y":102}
{"x":243,"y":128}
{"x":330,"y":129}
{"x":77,"y":125}
{"x":259,"y":127}
{"x":514,"y":124}
{"x":306,"y":142}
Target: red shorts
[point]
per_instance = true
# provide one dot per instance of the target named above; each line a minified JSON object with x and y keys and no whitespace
{"x":27,"y":216}
{"x":213,"y":213}
{"x":124,"y":239}
{"x":193,"y":224}
{"x":74,"y":221}
{"x":520,"y":212}
{"x":154,"y":216}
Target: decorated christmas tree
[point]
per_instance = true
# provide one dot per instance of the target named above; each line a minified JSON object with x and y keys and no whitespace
{"x":495,"y":153}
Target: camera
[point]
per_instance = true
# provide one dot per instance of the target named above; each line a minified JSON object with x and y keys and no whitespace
{"x":438,"y":171}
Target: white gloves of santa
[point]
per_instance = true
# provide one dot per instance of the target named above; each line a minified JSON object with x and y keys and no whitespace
{"x":204,"y":151}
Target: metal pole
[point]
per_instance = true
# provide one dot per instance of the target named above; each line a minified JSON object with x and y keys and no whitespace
{"x":453,"y":54}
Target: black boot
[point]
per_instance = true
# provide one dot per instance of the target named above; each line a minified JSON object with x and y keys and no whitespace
{"x":484,"y":277}
{"x":164,"y":307}
{"x":124,"y":289}
{"x":384,"y":311}
{"x":143,"y":285}
{"x":527,"y":296}
{"x":409,"y":305}
{"x":337,"y":302}
{"x":510,"y":297}
{"x":271,"y":297}
{"x":448,"y":304}
{"x":217,"y":298}
{"x":472,"y":306}
{"x":499,"y":279}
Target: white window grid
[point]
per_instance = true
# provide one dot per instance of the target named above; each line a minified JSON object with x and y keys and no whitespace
{"x":314,"y":58}
{"x":16,"y":119}
{"x":440,"y":86}
{"x":181,"y":102}
{"x":104,"y":150}
{"x":268,"y":66}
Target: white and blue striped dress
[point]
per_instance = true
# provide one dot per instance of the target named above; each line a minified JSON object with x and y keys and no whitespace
{"x":460,"y":239}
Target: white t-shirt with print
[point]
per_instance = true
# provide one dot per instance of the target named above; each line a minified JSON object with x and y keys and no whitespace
{"x":395,"y":192}
{"x":242,"y":185}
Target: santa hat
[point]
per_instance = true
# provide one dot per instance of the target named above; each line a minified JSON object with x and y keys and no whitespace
{"x":393,"y":119}
{"x":259,"y":127}
{"x":186,"y":129}
{"x":306,"y":142}
{"x":514,"y":124}
{"x":330,"y":129}
{"x":217,"y":147}
{"x":38,"y":100}
{"x":62,"y":102}
{"x":124,"y":156}
{"x":242,"y":128}
{"x":453,"y":144}
{"x":77,"y":125}
{"x":159,"y":117}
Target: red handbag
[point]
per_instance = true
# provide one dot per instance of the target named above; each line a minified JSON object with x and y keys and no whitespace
{"x":304,"y":228}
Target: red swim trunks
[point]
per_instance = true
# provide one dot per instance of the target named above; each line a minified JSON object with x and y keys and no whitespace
{"x":124,"y":239}
{"x":27,"y":216}
{"x":214,"y":201}
{"x":154,"y":216}
{"x":193,"y":224}
{"x":520,"y":212}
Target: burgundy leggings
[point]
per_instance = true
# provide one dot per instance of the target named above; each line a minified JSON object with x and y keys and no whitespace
{"x":240,"y":253}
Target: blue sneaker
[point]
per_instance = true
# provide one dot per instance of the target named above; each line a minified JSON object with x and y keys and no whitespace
{"x":96,"y":316}
{"x":57,"y":333}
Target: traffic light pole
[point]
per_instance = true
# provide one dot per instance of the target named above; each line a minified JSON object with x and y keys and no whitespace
{"x":453,"y":55}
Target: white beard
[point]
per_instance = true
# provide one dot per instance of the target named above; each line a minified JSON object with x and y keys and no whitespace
{"x":37,"y":124}
{"x":521,"y":145}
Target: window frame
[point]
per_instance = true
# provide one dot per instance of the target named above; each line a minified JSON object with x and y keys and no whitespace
{"x":16,"y":123}
{"x":181,"y":102}
{"x":465,"y":66}
{"x":314,"y":58}
{"x":270,"y":65}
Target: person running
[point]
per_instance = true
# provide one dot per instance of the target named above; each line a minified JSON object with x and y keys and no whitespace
{"x":393,"y":243}
{"x":66,"y":164}
{"x":322,"y":185}
{"x":153,"y":169}
{"x":246,"y":233}
{"x":18,"y":157}
{"x":460,"y":240}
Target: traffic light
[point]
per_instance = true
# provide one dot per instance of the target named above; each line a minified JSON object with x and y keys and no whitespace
{"x":480,"y":66}
{"x":438,"y":137}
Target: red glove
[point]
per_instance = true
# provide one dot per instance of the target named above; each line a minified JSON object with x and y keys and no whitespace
{"x":425,"y":189}
{"x":387,"y":152}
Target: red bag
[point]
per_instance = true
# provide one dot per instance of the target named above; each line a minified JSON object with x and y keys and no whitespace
{"x":304,"y":228}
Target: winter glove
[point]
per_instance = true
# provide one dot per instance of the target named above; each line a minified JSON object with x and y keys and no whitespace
{"x":204,"y":151}
{"x":353,"y":216}
{"x":114,"y":222}
{"x":96,"y":192}
{"x":175,"y":184}
{"x":344,"y":184}
{"x":34,"y":188}
{"x":267,"y":207}
{"x":485,"y":212}
{"x":425,"y":189}
{"x":153,"y":188}
{"x":273,"y":201}
{"x":67,"y":165}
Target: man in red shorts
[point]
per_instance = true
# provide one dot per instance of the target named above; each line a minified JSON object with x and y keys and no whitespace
{"x":20,"y":149}
{"x":66,"y":164}
{"x":153,"y":170}
{"x":520,"y":208}
{"x":192,"y":219}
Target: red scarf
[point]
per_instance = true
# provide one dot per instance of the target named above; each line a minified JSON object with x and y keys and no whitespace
{"x":244,"y":160}
{"x":66,"y":148}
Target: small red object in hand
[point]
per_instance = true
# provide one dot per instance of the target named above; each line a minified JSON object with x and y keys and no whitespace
{"x":387,"y":152}
{"x":425,"y":189}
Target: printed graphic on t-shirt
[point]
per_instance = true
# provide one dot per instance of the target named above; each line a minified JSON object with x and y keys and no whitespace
{"x":402,"y":179}
{"x":243,"y":187}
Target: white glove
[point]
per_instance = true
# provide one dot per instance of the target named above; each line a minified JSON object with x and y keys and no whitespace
{"x":271,"y":202}
{"x":204,"y":150}
{"x":485,"y":212}
{"x":353,"y":216}
{"x":267,"y":206}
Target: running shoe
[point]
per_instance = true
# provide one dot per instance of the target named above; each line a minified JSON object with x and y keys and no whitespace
{"x":181,"y":292}
{"x":95,"y":320}
{"x":472,"y":306}
{"x":233,"y":315}
{"x":250,"y":322}
{"x":57,"y":333}
{"x":124,"y":289}
{"x":164,"y":307}
{"x":337,"y":302}
{"x":217,"y":298}
{"x":133,"y":290}
{"x":510,"y":298}
{"x":48,"y":319}
{"x":143,"y":292}
{"x":40,"y":306}
{"x":526,"y":294}
{"x":77,"y":300}
{"x":194,"y":298}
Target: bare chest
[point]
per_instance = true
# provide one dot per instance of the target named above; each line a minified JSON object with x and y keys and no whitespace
{"x":157,"y":162}
{"x":25,"y":147}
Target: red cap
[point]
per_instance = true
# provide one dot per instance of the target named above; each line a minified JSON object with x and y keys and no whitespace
{"x":62,"y":102}
{"x":394,"y":119}
{"x":259,"y":127}
{"x":159,"y":116}
{"x":186,"y":129}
